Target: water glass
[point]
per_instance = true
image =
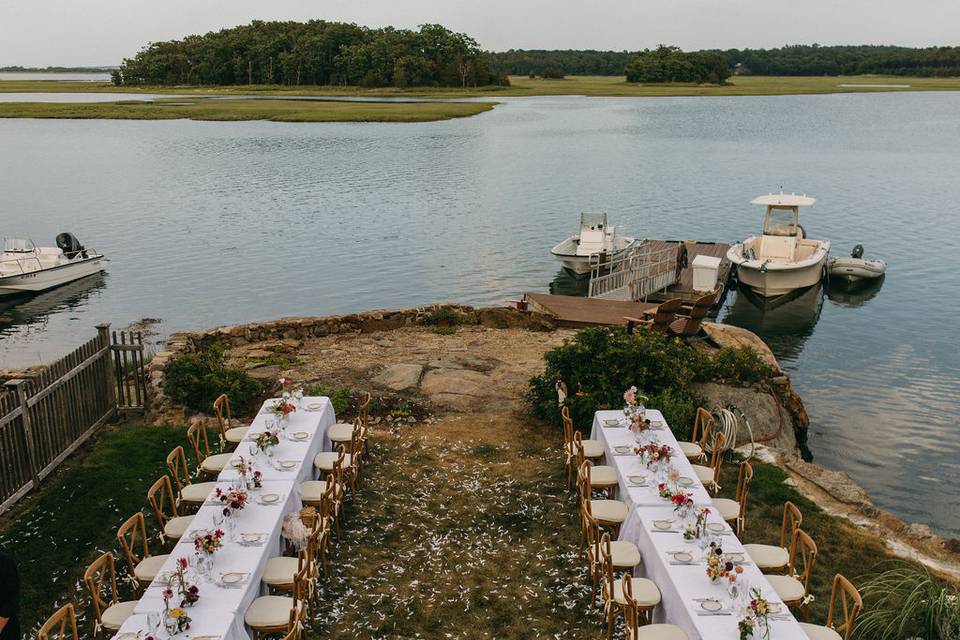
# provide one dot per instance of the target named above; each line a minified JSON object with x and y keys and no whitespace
{"x":153,"y":621}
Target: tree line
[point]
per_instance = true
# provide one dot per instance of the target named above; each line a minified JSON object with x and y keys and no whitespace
{"x":313,"y":53}
{"x":793,"y":60}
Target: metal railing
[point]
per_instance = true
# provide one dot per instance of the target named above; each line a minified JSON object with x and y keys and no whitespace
{"x":636,"y":273}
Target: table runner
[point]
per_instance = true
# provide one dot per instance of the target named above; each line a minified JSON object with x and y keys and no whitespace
{"x":679,"y":584}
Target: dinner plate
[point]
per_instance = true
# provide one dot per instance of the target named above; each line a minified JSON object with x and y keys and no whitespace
{"x":270,"y":498}
{"x":736,"y":556}
{"x":251,"y":538}
{"x":622,"y":448}
{"x":129,"y":635}
{"x":716,"y":527}
{"x":637,"y":479}
{"x":711,"y":605}
{"x":300,"y":435}
{"x":288,"y":464}
{"x":315,"y":406}
{"x":774,"y":607}
{"x":684,"y":481}
{"x":611,"y":423}
{"x":663,"y":525}
{"x":232,"y":577}
{"x":682,"y":556}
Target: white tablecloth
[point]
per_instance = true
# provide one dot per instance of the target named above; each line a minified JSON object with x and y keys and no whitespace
{"x":679,"y":584}
{"x":220,"y":611}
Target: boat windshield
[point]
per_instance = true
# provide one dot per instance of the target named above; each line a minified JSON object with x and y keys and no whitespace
{"x":17,"y":245}
{"x":780,"y":222}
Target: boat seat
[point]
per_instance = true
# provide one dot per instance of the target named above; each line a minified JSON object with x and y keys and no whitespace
{"x":591,"y":241}
{"x":778,"y":248}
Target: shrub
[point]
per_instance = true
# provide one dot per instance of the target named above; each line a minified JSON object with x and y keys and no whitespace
{"x":194,"y":380}
{"x":443,"y":315}
{"x":600,"y":363}
{"x":339,"y":398}
{"x":904,"y":601}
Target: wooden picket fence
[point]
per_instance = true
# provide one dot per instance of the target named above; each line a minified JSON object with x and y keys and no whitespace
{"x":44,"y":419}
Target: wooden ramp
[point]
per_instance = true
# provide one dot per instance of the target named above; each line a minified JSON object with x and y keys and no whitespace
{"x":573,"y":311}
{"x":683,"y":288}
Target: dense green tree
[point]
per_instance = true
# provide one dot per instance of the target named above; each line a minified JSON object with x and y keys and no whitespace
{"x":670,"y":64}
{"x":315,"y":52}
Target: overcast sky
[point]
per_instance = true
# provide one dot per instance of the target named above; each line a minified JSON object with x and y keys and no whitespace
{"x":102,"y":32}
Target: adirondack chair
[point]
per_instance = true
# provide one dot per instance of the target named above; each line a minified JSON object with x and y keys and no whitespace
{"x":689,"y":325}
{"x":663,"y":316}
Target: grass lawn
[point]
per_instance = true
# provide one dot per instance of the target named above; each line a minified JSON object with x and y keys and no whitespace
{"x":463,"y":529}
{"x":524,"y":86}
{"x":275,"y":110}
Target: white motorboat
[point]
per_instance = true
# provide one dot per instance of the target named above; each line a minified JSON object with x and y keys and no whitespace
{"x":26,"y":268}
{"x":596,"y":241}
{"x":856,"y":267}
{"x":782,"y":259}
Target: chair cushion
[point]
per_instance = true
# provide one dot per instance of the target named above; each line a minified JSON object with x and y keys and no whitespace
{"x":592,"y":448}
{"x":176,"y":527}
{"x":816,"y":632}
{"x":269,"y":611}
{"x":115,"y":615}
{"x":728,"y":509}
{"x":216,"y":463}
{"x":660,"y":632}
{"x":624,"y":554}
{"x":645,"y":592}
{"x":236,"y":435}
{"x":704,"y":474}
{"x":198,"y":491}
{"x":609,"y":511}
{"x":312,"y":490}
{"x":690,"y":449}
{"x":280,"y":570}
{"x":340,"y":432}
{"x":324,"y":461}
{"x":602,"y":476}
{"x":787,"y":588}
{"x":148,"y":568}
{"x":767,"y":556}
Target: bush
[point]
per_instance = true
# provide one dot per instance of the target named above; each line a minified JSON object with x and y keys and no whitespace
{"x":553,"y":73}
{"x":600,"y":363}
{"x":339,"y":398}
{"x":196,"y":379}
{"x":443,"y":315}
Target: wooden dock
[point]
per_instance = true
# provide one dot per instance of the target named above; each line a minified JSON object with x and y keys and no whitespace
{"x":683,"y":288}
{"x":574,"y":311}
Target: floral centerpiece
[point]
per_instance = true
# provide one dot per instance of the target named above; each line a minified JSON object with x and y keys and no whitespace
{"x":698,"y":528}
{"x":634,"y":409}
{"x":654,"y":453}
{"x":755,"y":625}
{"x":282,"y":409}
{"x":249,"y":476}
{"x":291,"y":390}
{"x":682,"y":503}
{"x":189,"y":593}
{"x":176,"y":620}
{"x":233,"y":500}
{"x":208,"y":543}
{"x":719,"y":566}
{"x":267,"y":440}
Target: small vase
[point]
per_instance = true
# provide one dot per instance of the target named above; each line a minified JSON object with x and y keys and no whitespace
{"x":170,"y":624}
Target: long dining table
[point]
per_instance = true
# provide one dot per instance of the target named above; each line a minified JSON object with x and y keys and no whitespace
{"x":684,"y":586}
{"x":257,"y":532}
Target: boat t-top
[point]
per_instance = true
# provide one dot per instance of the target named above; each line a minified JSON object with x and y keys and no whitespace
{"x":783,"y":259}
{"x":27,"y":268}
{"x":596,"y":240}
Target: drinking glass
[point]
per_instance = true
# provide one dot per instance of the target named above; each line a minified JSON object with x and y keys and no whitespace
{"x":153,"y":621}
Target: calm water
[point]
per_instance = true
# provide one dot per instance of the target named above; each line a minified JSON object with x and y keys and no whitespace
{"x":216,"y":223}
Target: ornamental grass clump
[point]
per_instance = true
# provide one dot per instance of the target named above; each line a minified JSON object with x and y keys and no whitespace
{"x":904,"y":602}
{"x":599,"y":363}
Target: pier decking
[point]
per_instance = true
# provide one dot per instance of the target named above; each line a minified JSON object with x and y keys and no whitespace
{"x":683,"y":288}
{"x":574,"y":311}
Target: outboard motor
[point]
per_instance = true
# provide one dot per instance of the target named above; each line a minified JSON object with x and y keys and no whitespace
{"x":71,"y":247}
{"x":857,"y":252}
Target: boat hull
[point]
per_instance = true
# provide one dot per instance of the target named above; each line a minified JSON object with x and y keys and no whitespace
{"x":777,"y":282}
{"x":43,"y":279}
{"x":856,"y":269}
{"x":579,"y":265}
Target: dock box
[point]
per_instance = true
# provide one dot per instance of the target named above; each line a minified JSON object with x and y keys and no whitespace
{"x":705,"y":271}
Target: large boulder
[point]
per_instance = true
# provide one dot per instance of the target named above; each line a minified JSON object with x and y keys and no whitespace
{"x":727,"y":335}
{"x":770,"y":424}
{"x":398,"y":377}
{"x":457,"y":388}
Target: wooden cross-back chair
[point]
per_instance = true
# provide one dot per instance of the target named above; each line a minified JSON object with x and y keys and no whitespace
{"x":142,"y":567}
{"x":100,"y":578}
{"x":794,"y":588}
{"x":298,"y":619}
{"x":281,"y":572}
{"x":169,"y":521}
{"x":772,"y":558}
{"x":276,"y":614}
{"x":689,"y":325}
{"x":845,"y":605}
{"x":696,"y":448}
{"x":602,"y":477}
{"x":636,"y":621}
{"x":592,"y":449}
{"x":191,"y":493}
{"x":734,"y":511}
{"x":230,"y":437}
{"x":62,"y":625}
{"x":207,"y":464}
{"x":710,"y":476}
{"x":609,"y":514}
{"x":645,"y":592}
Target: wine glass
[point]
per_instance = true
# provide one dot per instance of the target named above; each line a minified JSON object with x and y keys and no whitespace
{"x":153,"y":622}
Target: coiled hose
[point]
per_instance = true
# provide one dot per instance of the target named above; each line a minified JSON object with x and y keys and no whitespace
{"x":729,"y":419}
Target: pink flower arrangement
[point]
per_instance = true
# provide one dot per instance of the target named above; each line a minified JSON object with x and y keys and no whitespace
{"x":283,"y":407}
{"x":630,"y":396}
{"x":654,"y":452}
{"x":234,"y":500}
{"x":208,"y":543}
{"x":267,"y":439}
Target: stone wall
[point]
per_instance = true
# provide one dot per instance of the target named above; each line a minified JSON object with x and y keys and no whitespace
{"x":309,"y":327}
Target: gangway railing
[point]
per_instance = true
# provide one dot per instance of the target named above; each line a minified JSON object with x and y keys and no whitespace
{"x":634,"y":274}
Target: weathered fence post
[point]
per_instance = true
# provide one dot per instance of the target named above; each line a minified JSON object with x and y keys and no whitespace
{"x":18,"y":387}
{"x":103,"y":332}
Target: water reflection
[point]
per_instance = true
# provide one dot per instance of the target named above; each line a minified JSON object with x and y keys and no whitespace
{"x":785,"y":323}
{"x":564,"y":284}
{"x":853,"y":294}
{"x":30,"y":312}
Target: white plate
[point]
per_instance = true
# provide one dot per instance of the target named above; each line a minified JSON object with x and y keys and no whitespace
{"x":288,"y":464}
{"x":315,"y":406}
{"x":127,"y":636}
{"x":774,"y":607}
{"x":684,"y":481}
{"x":637,"y":479}
{"x":232,"y":578}
{"x":736,"y":556}
{"x":711,"y":605}
{"x":252,"y":538}
{"x":716,"y":527}
{"x":682,"y":556}
{"x":623,"y":448}
{"x":663,"y":525}
{"x":269,"y":498}
{"x":611,"y":423}
{"x":300,"y":436}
